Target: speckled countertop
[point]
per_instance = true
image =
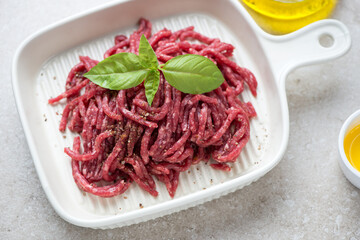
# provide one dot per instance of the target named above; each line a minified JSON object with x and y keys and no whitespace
{"x":305,"y":197}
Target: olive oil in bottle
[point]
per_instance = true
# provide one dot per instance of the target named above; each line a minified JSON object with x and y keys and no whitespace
{"x":285,"y":16}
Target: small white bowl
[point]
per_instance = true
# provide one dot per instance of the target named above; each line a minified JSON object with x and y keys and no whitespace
{"x":350,"y":172}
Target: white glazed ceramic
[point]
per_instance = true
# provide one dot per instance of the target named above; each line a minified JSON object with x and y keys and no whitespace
{"x":349,"y":171}
{"x":42,"y":62}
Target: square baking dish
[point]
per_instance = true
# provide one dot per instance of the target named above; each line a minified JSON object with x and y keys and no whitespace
{"x":42,"y":62}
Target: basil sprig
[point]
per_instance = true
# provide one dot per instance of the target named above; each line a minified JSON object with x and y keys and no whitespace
{"x":188,"y":73}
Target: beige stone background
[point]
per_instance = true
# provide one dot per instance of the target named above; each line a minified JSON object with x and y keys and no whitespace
{"x":305,"y":197}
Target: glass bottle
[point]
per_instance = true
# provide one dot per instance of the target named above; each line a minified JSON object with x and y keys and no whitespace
{"x":285,"y":16}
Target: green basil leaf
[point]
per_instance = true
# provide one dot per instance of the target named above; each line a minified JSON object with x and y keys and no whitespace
{"x":151,"y":85}
{"x":119,"y":71}
{"x":146,"y":54}
{"x":192,"y":74}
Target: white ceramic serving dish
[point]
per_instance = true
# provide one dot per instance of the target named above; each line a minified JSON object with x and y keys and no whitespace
{"x":41,"y":64}
{"x":349,"y":171}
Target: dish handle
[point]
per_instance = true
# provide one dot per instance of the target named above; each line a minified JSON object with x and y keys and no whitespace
{"x":317,"y":42}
